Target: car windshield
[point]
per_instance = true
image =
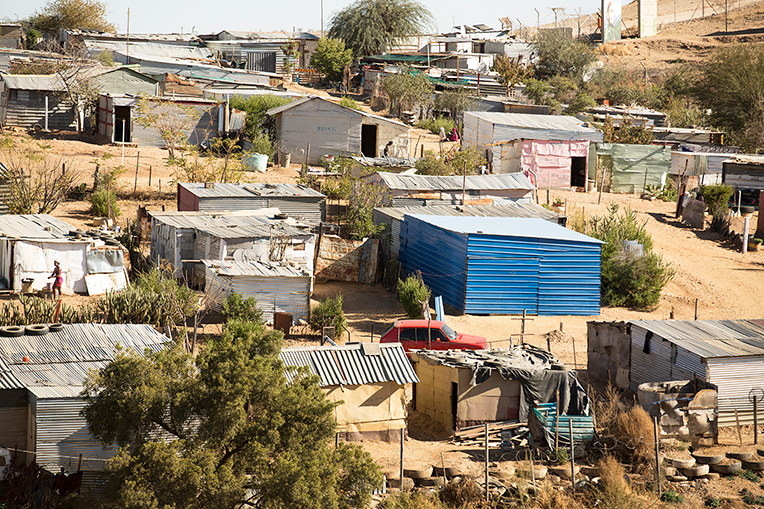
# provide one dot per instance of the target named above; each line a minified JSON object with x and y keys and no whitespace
{"x":451,"y":333}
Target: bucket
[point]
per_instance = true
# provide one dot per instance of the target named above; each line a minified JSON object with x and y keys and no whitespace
{"x":285,"y":158}
{"x":256,"y":162}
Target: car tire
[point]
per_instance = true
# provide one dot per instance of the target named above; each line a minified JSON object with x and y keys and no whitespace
{"x":55,"y":327}
{"x":36,"y":330}
{"x":11,"y":331}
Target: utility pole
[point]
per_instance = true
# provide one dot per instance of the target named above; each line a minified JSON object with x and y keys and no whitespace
{"x":127,"y":39}
{"x":538,"y":19}
{"x":555,"y":9}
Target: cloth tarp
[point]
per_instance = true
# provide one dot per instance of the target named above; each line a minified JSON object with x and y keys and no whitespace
{"x":35,"y":260}
{"x":541,"y":386}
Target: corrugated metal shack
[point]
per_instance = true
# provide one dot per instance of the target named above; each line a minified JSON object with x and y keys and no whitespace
{"x":556,"y":164}
{"x":744,"y":172}
{"x":277,"y":288}
{"x":300,"y":202}
{"x":705,"y":167}
{"x":726,"y":353}
{"x":368,"y":380}
{"x":35,"y":100}
{"x":503,"y":265}
{"x":262,"y":51}
{"x":183,"y":239}
{"x":459,"y":388}
{"x":394,"y":216}
{"x":482,"y":129}
{"x":426,"y":190}
{"x":41,"y":379}
{"x":116,"y":111}
{"x":331,"y":129}
{"x":29,"y":244}
{"x":127,"y":81}
{"x":631,"y":168}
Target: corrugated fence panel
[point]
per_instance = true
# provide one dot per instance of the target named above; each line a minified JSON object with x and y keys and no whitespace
{"x":569,"y":278}
{"x":735,"y":378}
{"x":62,"y":435}
{"x":502,"y":285}
{"x":231,"y":204}
{"x":441,"y":255}
{"x":301,"y":209}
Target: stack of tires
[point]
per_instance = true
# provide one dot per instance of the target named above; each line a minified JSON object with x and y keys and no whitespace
{"x":15,"y":331}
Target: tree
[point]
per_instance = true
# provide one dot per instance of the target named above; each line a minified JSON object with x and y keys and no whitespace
{"x":560,"y":55}
{"x":173,"y":120}
{"x":731,"y":85}
{"x":197,"y":432}
{"x":626,"y":132}
{"x":38,"y":180}
{"x":407,"y":89}
{"x":73,"y":14}
{"x":456,"y":100}
{"x":511,"y":71}
{"x":331,"y":58}
{"x":371,"y":27}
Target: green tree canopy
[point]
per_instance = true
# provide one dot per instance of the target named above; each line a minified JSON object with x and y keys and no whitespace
{"x":60,"y":14}
{"x":230,"y":421}
{"x":371,"y":27}
{"x":731,"y":85}
{"x":561,"y":55}
{"x":406,"y":89}
{"x":331,"y":58}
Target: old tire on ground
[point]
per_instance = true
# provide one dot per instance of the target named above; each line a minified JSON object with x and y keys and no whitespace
{"x":55,"y":327}
{"x":36,"y":330}
{"x":756,"y":466}
{"x":708,"y":459}
{"x":431,"y":481}
{"x":417,"y":473}
{"x":696,"y":471}
{"x":449,"y":471}
{"x":683,"y":463}
{"x":11,"y":331}
{"x":728,"y":469}
{"x":740,"y":456}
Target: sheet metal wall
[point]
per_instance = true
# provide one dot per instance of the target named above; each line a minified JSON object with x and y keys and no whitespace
{"x":734,"y":378}
{"x":665,"y":362}
{"x":306,"y":210}
{"x":61,"y":435}
{"x":632,"y":162}
{"x":441,"y":255}
{"x":28,"y":110}
{"x":743,"y":176}
{"x":282,"y":294}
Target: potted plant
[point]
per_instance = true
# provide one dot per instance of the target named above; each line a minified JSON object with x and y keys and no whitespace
{"x":558,"y":205}
{"x":754,"y":244}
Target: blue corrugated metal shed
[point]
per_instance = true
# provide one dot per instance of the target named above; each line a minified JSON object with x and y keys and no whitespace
{"x":500,"y":265}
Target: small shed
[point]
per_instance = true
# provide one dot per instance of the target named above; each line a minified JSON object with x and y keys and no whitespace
{"x":117,"y":112}
{"x":483,"y":129}
{"x":184,"y":239}
{"x":124,"y":80}
{"x":558,"y":164}
{"x":706,"y":167}
{"x":277,"y":288}
{"x":631,"y":168}
{"x":394,"y":216}
{"x":728,"y":354}
{"x":503,"y":265}
{"x":369,"y":380}
{"x":469,"y":387}
{"x":331,"y":129}
{"x":299,"y":202}
{"x":744,"y":172}
{"x":29,"y":244}
{"x":28,"y":100}
{"x":41,"y":379}
{"x":427,"y":190}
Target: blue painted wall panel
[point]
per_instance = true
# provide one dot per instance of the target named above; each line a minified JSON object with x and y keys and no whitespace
{"x":569,"y":278}
{"x":440,"y":255}
{"x":501,"y":285}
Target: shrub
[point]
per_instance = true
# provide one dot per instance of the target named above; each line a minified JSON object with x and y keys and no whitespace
{"x":328,"y":313}
{"x":716,"y":196}
{"x":257,"y":123}
{"x":103,"y":203}
{"x":339,"y":188}
{"x":431,"y":164}
{"x":411,"y":500}
{"x":614,"y":492}
{"x":720,"y":221}
{"x":349,"y":102}
{"x":467,"y":158}
{"x":633,"y":433}
{"x":261,"y":144}
{"x":434,"y":124}
{"x":672,"y":497}
{"x":235,"y":307}
{"x":749,"y":475}
{"x":410,"y":292}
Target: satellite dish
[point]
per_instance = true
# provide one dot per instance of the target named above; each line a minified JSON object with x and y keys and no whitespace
{"x":482,"y":68}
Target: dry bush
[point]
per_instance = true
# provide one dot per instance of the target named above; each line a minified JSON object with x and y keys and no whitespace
{"x":615,"y":49}
{"x":551,"y":498}
{"x":464,"y":494}
{"x":607,"y":408}
{"x":633,"y":433}
{"x":412,"y":500}
{"x":614,"y":491}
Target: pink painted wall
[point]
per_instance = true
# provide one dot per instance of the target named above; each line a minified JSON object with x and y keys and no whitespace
{"x":550,"y":160}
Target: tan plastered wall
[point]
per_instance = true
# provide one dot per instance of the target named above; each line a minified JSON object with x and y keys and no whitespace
{"x":369,"y":408}
{"x":433,"y":392}
{"x":496,"y":399}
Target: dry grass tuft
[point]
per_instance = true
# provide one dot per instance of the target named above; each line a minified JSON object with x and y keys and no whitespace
{"x":411,"y":500}
{"x":633,"y":431}
{"x":464,"y":494}
{"x":616,"y":49}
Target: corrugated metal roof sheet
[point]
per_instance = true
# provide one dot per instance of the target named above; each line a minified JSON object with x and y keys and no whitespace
{"x":250,"y":190}
{"x":302,"y":100}
{"x":354,"y":364}
{"x":59,"y":361}
{"x":264,"y":229}
{"x":236,"y":268}
{"x":209,"y":221}
{"x":711,"y":338}
{"x":455,"y":183}
{"x":504,"y":210}
{"x":278,"y":35}
{"x":34,"y":226}
{"x":506,"y":227}
{"x":528,"y":121}
{"x":52,"y":82}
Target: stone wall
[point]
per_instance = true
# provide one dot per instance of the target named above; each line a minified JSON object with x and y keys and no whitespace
{"x":609,"y":353}
{"x":686,"y":410}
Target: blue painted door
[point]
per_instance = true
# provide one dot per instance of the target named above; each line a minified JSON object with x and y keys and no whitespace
{"x":502,"y":285}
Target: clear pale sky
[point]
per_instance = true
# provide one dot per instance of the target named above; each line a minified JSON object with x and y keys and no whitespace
{"x":171,"y":16}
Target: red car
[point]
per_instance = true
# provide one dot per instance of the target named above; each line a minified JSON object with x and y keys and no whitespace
{"x":413,"y":335}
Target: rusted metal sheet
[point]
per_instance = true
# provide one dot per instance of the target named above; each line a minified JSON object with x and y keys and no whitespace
{"x":347,"y":260}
